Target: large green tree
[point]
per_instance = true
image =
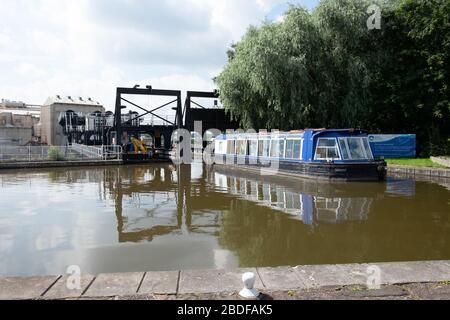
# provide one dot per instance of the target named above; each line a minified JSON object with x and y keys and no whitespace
{"x":327,"y":69}
{"x":412,"y":91}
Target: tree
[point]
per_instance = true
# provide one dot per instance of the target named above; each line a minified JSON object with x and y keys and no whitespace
{"x":413,"y":84}
{"x":326,"y":69}
{"x":253,"y":85}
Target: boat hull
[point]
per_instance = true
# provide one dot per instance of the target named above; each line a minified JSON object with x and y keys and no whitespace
{"x":370,"y":171}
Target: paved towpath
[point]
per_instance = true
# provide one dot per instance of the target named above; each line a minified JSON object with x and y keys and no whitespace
{"x":403,"y":280}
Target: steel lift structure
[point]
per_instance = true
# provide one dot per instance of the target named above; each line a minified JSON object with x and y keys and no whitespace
{"x":130,"y":129}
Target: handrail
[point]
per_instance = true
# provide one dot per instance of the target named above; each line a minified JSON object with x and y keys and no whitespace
{"x":72,"y":152}
{"x":88,"y":151}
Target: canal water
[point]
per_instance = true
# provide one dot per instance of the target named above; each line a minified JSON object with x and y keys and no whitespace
{"x":166,"y":217}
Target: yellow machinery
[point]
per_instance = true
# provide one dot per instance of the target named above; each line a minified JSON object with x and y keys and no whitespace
{"x":139,"y":146}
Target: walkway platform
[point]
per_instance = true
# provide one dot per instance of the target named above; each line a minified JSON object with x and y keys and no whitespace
{"x":225,"y":284}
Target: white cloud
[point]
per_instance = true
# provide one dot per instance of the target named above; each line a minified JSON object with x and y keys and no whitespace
{"x":89,"y":47}
{"x":26,"y":69}
{"x":280,"y":18}
{"x":5,"y":40}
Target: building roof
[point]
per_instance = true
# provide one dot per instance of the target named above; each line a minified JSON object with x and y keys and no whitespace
{"x":71,"y":100}
{"x":8,"y":104}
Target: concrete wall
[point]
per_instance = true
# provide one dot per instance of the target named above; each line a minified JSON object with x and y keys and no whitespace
{"x":15,"y":136}
{"x":6,"y":119}
{"x":15,"y":129}
{"x":51,"y":131}
{"x":22,"y":120}
{"x":45,"y":124}
{"x":18,"y":120}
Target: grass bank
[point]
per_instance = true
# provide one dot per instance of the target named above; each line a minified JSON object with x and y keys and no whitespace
{"x":423,"y":162}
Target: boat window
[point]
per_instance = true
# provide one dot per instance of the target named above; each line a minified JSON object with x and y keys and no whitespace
{"x":293,"y":149}
{"x":242,"y":147}
{"x":217,"y":147}
{"x":196,"y":139}
{"x":221,"y":147}
{"x":289,"y":149}
{"x":367,"y":148}
{"x":327,"y":149}
{"x":253,"y":145}
{"x":260,"y":148}
{"x":277,"y":149}
{"x":297,"y":149}
{"x":344,"y":148}
{"x":224,"y":147}
{"x":231,"y":147}
{"x":263,"y":148}
{"x":355,"y":148}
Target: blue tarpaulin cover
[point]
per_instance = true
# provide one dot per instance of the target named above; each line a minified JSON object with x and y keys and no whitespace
{"x":393,"y":145}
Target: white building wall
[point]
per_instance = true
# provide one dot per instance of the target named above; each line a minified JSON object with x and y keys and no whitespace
{"x":51,"y":131}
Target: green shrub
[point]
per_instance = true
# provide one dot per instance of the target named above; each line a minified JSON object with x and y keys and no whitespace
{"x":54,"y":154}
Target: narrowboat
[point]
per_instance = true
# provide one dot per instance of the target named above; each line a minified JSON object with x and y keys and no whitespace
{"x":340,"y":154}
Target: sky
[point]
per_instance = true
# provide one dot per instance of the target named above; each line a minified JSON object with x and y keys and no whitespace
{"x":88,"y":48}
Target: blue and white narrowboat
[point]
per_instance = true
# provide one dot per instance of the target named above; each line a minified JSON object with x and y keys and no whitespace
{"x":341,"y":154}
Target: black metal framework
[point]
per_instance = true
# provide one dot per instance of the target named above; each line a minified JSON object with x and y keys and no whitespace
{"x":120,"y":127}
{"x":189,"y":121}
{"x":210,"y":118}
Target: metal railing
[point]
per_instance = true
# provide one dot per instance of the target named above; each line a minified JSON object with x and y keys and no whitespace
{"x":112,"y":152}
{"x":163,"y":120}
{"x":87,"y":151}
{"x":74,"y":152}
{"x":98,"y":152}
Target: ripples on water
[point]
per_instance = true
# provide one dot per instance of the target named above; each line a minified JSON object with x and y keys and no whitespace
{"x":142,"y":218}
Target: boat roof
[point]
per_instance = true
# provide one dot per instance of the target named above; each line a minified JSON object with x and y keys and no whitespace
{"x":274,"y":134}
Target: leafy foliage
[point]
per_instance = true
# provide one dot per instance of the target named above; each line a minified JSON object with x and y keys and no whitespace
{"x":54,"y":154}
{"x":326,"y":69}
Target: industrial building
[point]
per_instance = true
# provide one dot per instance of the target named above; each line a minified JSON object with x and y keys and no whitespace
{"x":66,"y":120}
{"x":20,"y":106}
{"x":8,"y":104}
{"x":18,"y":129}
{"x":52,"y":132}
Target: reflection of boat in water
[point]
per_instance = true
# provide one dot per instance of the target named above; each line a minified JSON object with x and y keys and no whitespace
{"x":305,"y":200}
